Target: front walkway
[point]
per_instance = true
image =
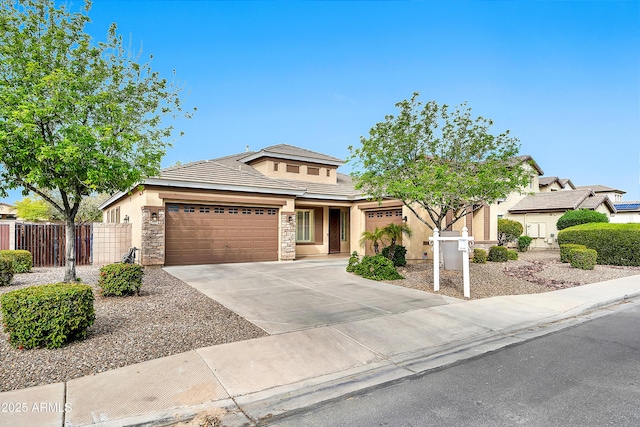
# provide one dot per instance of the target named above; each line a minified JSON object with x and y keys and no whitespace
{"x":289,"y":296}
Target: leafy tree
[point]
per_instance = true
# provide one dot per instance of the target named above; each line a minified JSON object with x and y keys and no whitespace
{"x":580,"y":216}
{"x":375,"y":237}
{"x":394,"y":232}
{"x":508,"y":231}
{"x":32,"y":209}
{"x":87,"y":212}
{"x":437,"y":160}
{"x":76,"y":117}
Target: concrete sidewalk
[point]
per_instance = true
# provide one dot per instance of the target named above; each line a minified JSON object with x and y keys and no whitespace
{"x":266,"y":377}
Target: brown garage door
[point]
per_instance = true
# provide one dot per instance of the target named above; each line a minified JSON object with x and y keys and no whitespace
{"x":198,"y":234}
{"x":381,"y":219}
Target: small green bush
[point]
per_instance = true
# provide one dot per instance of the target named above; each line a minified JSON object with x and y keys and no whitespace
{"x":566,"y":249}
{"x":581,"y":216}
{"x":47,"y":315}
{"x":354,"y":259}
{"x":479,"y":256}
{"x":22,"y":260}
{"x":498,"y":254}
{"x":616,"y":244}
{"x":584,"y":259}
{"x":6,"y":271}
{"x":399,"y":255}
{"x":508,"y":231}
{"x":377,"y":267}
{"x":512,"y":255}
{"x":120,"y":279}
{"x":523,"y":243}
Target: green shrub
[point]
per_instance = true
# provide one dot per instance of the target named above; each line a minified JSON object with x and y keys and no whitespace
{"x":508,"y":231}
{"x":616,"y":244}
{"x":47,"y":315}
{"x":22,"y":260}
{"x":354,"y":259}
{"x":377,"y":267}
{"x":512,"y":255}
{"x":581,"y":216}
{"x":523,"y":243}
{"x":479,"y":256}
{"x":565,"y":250}
{"x":584,"y":259}
{"x":498,"y":254}
{"x":399,"y":255}
{"x":6,"y":271}
{"x":120,"y":279}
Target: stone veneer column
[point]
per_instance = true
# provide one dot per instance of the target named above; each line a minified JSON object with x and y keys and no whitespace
{"x":152,"y":251}
{"x":287,"y":236}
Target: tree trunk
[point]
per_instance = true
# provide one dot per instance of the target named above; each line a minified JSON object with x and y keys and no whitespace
{"x":70,"y":266}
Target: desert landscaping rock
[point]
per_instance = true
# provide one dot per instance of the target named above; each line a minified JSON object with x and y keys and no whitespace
{"x":535,"y":271}
{"x":168,"y":317}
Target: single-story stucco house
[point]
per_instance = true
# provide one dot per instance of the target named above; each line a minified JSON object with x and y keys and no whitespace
{"x":279,"y":203}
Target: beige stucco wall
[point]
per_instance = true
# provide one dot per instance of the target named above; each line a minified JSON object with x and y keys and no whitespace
{"x":625,"y":217}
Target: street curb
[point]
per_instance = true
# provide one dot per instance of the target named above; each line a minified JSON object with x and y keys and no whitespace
{"x":267,"y":406}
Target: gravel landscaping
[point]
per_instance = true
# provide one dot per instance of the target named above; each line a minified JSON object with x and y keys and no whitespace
{"x":535,"y":271}
{"x":168,"y":317}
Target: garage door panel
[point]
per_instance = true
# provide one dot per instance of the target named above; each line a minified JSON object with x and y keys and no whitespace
{"x":381,"y":219}
{"x":199,"y":234}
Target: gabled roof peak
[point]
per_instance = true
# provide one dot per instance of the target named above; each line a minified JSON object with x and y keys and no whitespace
{"x":291,"y":152}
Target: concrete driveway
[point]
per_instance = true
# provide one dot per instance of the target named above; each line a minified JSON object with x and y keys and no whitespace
{"x":289,"y":296}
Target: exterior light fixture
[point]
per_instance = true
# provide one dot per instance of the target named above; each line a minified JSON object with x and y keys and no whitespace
{"x":154,"y":216}
{"x":405,"y":219}
{"x":126,"y":219}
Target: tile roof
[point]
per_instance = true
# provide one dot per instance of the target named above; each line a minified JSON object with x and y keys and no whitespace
{"x":567,"y":181}
{"x":600,"y":189}
{"x":548,"y":180}
{"x":291,"y":152}
{"x":557,"y":201}
{"x":232,"y":171}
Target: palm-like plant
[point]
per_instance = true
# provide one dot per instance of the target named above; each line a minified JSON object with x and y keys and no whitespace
{"x":375,"y":237}
{"x":395,"y":232}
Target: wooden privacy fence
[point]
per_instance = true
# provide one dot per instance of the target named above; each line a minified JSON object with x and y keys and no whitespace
{"x":46,"y":242}
{"x":5,"y":233}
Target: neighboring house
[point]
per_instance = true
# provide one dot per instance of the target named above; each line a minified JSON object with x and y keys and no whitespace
{"x":553,"y":183}
{"x":628,"y":211}
{"x":7,"y":211}
{"x":614,"y":194}
{"x":539,"y":212}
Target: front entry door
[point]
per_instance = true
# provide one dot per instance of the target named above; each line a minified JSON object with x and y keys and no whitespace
{"x":334,"y":231}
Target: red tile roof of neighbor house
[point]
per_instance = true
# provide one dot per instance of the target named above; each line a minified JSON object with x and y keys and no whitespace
{"x":560,"y":201}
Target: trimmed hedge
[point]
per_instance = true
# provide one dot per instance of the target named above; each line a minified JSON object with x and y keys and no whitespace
{"x":584,"y":259}
{"x":376,"y":267}
{"x":616,"y":244}
{"x":479,"y":256}
{"x":512,"y":255}
{"x":399,"y":255}
{"x":120,"y":279}
{"x":498,"y":254}
{"x":508,"y":231}
{"x":523,"y":243}
{"x":565,"y":250}
{"x":22,"y":260}
{"x":581,"y":216}
{"x":47,"y":315}
{"x":6,"y":271}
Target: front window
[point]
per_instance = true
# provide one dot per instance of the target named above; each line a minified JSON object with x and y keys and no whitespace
{"x":304,"y":226}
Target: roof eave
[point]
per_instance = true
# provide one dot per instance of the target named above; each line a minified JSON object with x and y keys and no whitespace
{"x":261,"y":154}
{"x":223,"y":187}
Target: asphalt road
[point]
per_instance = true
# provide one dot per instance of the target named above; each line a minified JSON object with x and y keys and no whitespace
{"x":586,"y":375}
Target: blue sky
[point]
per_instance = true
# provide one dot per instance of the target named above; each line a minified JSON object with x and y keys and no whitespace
{"x":562,"y":76}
